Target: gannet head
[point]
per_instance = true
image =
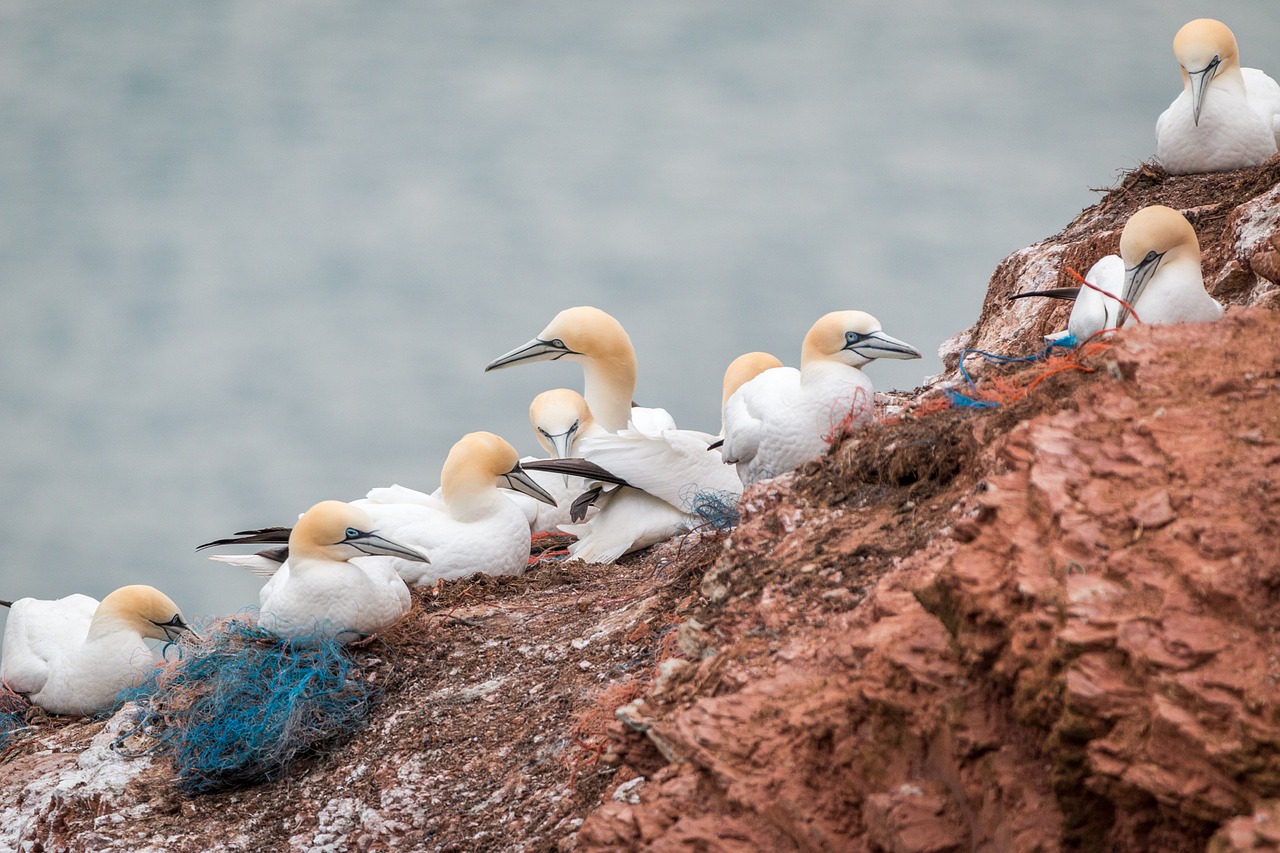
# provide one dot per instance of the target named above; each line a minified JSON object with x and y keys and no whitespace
{"x":576,"y":334}
{"x":743,"y":369}
{"x":1204,"y":49}
{"x":1153,"y":237}
{"x":145,"y":609}
{"x":559,"y":418}
{"x":336,"y":532}
{"x":481,"y":461}
{"x":853,"y":338}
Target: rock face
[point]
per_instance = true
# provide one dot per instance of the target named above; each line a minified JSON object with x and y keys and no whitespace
{"x":1046,"y":626}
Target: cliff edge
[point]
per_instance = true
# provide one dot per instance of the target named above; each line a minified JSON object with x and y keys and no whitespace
{"x":1047,"y":625}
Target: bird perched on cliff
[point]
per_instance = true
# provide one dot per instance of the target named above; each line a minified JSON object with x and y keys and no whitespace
{"x":74,"y":655}
{"x":470,"y":528}
{"x":560,"y":419}
{"x":663,"y":468}
{"x":321,"y":592}
{"x":1227,"y":117}
{"x":1157,"y":273}
{"x":784,"y":417}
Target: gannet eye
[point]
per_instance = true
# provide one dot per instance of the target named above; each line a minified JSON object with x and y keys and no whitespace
{"x":1151,"y":256}
{"x":559,"y":344}
{"x":544,"y":432}
{"x":352,"y":533}
{"x":852,"y":337}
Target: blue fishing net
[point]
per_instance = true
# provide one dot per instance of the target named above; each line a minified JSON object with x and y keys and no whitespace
{"x":238,"y":707}
{"x":719,"y":509}
{"x":968,"y":401}
{"x":13,"y":716}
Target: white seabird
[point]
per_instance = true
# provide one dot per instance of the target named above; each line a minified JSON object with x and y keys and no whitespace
{"x":320,"y":592}
{"x":1163,"y":282}
{"x":560,"y":419}
{"x":1157,"y":273}
{"x":74,"y":655}
{"x":785,"y":417}
{"x":1226,"y":117}
{"x":665,"y":469}
{"x":473,"y":527}
{"x":469,"y":527}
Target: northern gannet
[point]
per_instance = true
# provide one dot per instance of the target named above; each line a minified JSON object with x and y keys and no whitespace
{"x":740,"y":371}
{"x":1163,"y":281}
{"x":74,"y":655}
{"x":597,"y":342}
{"x":1226,"y":117}
{"x":468,"y":527}
{"x":785,"y":417}
{"x":1157,"y":272}
{"x":560,"y":419}
{"x":320,"y":591}
{"x":665,"y":468}
{"x":473,"y":527}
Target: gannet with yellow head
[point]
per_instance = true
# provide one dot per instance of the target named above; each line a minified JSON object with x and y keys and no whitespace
{"x":74,"y":655}
{"x":1162,"y":276}
{"x":1226,"y":117}
{"x":473,"y":527}
{"x":596,"y":341}
{"x":785,"y":417}
{"x":321,"y":592}
{"x":560,"y":419}
{"x":742,"y":370}
{"x":638,"y":447}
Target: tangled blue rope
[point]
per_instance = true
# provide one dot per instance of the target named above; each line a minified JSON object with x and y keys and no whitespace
{"x":972,"y":402}
{"x":717,"y":508}
{"x":238,"y":707}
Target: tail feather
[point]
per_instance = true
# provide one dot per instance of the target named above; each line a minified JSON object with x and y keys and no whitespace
{"x":6,"y":603}
{"x":271,"y":535}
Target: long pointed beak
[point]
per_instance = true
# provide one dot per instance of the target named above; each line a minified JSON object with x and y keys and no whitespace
{"x":1199,"y":85}
{"x":560,"y":447}
{"x":535,"y":350}
{"x":1136,"y":280}
{"x":880,"y":345}
{"x":519,"y":481}
{"x":380,"y":546}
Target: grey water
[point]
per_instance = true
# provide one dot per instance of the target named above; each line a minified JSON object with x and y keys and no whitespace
{"x":255,"y":255}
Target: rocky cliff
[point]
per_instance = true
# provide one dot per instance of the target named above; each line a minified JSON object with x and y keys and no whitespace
{"x":1047,"y":625}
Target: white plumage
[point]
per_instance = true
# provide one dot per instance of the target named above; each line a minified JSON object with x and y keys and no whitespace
{"x":784,"y":417}
{"x":1226,"y":117}
{"x":74,"y":655}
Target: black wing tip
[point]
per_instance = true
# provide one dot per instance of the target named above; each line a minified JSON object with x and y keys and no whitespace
{"x":1053,"y":293}
{"x":716,"y":445}
{"x":245,"y":537}
{"x":575,"y":467}
{"x":4,"y":603}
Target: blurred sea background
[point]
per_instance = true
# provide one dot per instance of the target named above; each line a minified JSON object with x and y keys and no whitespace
{"x":255,"y":255}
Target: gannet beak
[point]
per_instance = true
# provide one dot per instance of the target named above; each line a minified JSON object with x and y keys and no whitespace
{"x":175,"y":628}
{"x":519,"y":481}
{"x":536,"y":350}
{"x":380,"y":546}
{"x":1136,"y":279}
{"x":879,"y":345}
{"x":1199,"y":83}
{"x":560,"y":445}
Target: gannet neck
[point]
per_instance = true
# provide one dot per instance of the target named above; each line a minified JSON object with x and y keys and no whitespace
{"x":743,"y":369}
{"x":469,"y":478}
{"x":598,"y":342}
{"x":140,"y":609}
